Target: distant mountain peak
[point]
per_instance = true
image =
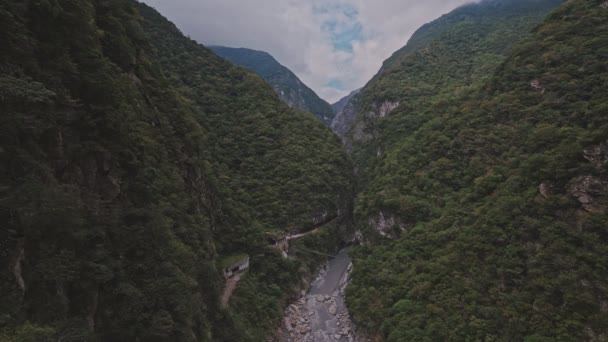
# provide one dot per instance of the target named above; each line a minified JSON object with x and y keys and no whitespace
{"x":286,"y":84}
{"x":339,"y":106}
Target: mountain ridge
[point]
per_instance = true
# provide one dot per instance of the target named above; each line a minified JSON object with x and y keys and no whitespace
{"x":286,"y":84}
{"x":340,"y":104}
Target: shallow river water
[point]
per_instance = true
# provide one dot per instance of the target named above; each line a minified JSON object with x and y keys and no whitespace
{"x":321,"y":314}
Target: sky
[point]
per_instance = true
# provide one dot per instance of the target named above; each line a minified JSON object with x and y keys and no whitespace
{"x":334,"y":46}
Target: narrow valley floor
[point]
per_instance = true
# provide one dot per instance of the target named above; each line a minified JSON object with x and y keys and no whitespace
{"x":321,"y":314}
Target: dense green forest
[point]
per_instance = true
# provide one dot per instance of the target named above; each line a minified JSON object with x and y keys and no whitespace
{"x":287,"y":85}
{"x":132,"y":159}
{"x":494,"y":177}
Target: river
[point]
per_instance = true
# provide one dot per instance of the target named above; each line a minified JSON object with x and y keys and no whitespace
{"x":321,"y":314}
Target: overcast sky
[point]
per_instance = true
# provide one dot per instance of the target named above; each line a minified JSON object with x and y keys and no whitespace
{"x":334,"y":46}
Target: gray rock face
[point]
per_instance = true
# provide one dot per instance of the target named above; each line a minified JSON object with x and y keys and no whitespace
{"x":359,"y":133}
{"x":597,"y":154}
{"x":546,"y":189}
{"x":339,"y":106}
{"x":387,"y":225}
{"x":344,"y":120}
{"x":590,"y":192}
{"x":383,"y":109}
{"x":352,"y":128}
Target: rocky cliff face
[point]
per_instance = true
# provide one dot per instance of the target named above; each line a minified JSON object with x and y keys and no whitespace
{"x":592,"y":190}
{"x":345,"y":120}
{"x":353,"y":128}
{"x":339,"y":106}
{"x":388,"y":225}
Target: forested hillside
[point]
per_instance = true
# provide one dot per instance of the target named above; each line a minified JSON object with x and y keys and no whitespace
{"x":287,"y":85}
{"x":494,"y":190}
{"x":132,"y":159}
{"x":262,"y":149}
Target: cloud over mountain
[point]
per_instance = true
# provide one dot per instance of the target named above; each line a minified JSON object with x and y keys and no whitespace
{"x":334,"y":46}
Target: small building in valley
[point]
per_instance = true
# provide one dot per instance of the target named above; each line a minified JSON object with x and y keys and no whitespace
{"x":234,"y":263}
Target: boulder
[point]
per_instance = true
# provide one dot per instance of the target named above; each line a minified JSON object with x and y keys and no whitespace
{"x":332,"y":309}
{"x":288,"y":324}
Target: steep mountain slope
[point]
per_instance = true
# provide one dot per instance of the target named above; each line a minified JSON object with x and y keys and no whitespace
{"x":449,"y":58}
{"x":125,"y":177}
{"x":286,"y":84}
{"x":260,"y":146}
{"x":339,"y":106}
{"x":500,"y":200}
{"x":458,"y":51}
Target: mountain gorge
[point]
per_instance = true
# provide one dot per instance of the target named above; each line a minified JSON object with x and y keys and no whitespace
{"x":469,"y":174}
{"x":286,"y":84}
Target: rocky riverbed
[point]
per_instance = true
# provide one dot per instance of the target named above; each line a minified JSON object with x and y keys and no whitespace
{"x":321,"y":315}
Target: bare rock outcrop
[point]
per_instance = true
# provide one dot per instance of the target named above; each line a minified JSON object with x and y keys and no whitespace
{"x":388,"y":225}
{"x":536,"y":85}
{"x":352,"y":128}
{"x":344,"y":121}
{"x":381,"y":110}
{"x":546,"y":189}
{"x":590,"y":191}
{"x":597,"y":154}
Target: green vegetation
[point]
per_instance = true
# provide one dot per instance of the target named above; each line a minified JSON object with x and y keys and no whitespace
{"x":286,"y":84}
{"x":443,"y":61}
{"x":262,"y":150}
{"x":232,"y":259}
{"x":501,"y":183}
{"x":130,"y":158}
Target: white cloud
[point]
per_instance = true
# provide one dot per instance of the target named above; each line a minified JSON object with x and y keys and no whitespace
{"x":301,"y":34}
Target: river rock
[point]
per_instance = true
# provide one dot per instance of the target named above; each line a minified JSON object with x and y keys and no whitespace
{"x":288,"y":324}
{"x":333,"y":309}
{"x":320,"y":299}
